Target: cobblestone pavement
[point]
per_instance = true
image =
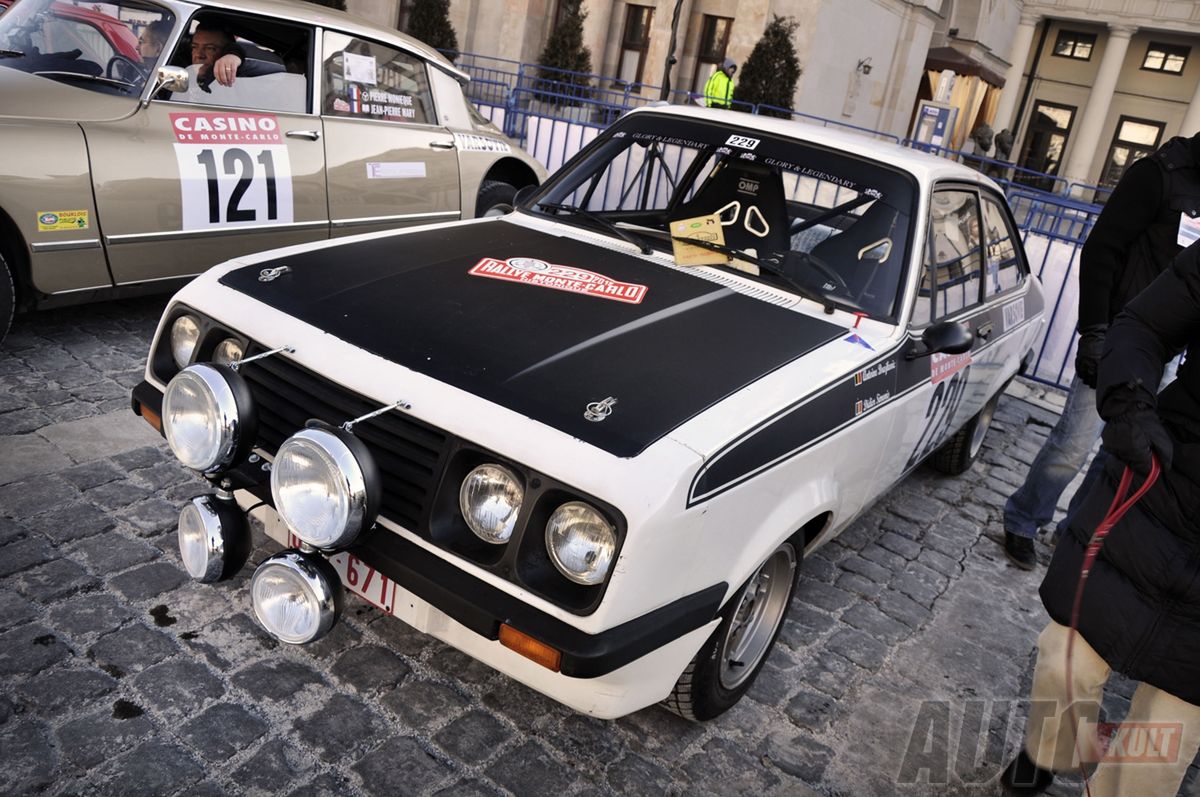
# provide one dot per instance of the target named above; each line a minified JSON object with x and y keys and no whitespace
{"x":120,"y":676}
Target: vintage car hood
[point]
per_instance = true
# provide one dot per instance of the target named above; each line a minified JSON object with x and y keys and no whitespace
{"x":26,"y":96}
{"x":444,"y":302}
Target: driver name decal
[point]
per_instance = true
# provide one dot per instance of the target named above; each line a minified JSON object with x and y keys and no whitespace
{"x":234,"y":170}
{"x":531,"y":271}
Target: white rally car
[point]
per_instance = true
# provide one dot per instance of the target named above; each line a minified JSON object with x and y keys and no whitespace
{"x":565,"y":444}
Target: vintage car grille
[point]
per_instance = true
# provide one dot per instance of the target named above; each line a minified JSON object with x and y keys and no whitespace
{"x":410,"y":454}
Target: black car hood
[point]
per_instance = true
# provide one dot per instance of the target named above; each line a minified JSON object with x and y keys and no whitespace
{"x":444,"y":303}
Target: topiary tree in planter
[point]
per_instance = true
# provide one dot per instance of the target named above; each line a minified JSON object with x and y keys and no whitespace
{"x":770,"y":74}
{"x":429,"y":22}
{"x":565,"y":54}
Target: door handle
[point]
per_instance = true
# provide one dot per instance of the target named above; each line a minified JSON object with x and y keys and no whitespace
{"x":441,"y":144}
{"x":984,"y":331}
{"x":311,"y":135}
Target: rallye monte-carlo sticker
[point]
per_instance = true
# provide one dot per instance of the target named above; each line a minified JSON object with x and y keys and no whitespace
{"x":531,"y":271}
{"x":233,"y":170}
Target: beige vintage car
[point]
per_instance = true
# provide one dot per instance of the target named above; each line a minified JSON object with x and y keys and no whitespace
{"x":142,"y":142}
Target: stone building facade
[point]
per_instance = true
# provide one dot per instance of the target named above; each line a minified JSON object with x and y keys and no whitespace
{"x":1086,"y":85}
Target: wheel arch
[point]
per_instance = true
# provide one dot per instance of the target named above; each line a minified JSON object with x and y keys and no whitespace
{"x":513,"y":172}
{"x":16,"y":254}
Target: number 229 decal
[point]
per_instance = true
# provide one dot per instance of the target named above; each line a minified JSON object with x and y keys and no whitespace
{"x":233,"y":170}
{"x":947,"y":396}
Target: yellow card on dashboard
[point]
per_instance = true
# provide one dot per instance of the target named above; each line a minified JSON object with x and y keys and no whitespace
{"x":701,"y":228}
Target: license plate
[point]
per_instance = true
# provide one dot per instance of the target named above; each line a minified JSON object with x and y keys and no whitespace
{"x":365,"y":581}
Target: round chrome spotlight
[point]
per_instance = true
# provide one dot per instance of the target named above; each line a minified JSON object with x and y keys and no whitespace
{"x":208,"y":417}
{"x":214,"y":538}
{"x":325,"y":486}
{"x":297,"y":597}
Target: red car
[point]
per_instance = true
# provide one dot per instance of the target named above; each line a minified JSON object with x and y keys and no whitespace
{"x":98,"y":35}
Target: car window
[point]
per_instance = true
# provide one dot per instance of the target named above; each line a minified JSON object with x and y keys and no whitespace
{"x":923,"y":309}
{"x":112,"y":47}
{"x":273,"y":63}
{"x":954,"y":250}
{"x":368,"y":80}
{"x":1003,"y":266}
{"x":834,"y":224}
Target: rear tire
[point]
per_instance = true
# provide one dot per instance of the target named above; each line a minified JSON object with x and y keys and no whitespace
{"x":730,"y":660}
{"x":495,"y":198}
{"x":8,"y":299}
{"x":959,"y":453}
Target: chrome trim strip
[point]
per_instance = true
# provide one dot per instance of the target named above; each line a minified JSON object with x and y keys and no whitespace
{"x":161,"y":279}
{"x":82,"y":290}
{"x":65,"y":246}
{"x":150,"y":237}
{"x":442,"y":214}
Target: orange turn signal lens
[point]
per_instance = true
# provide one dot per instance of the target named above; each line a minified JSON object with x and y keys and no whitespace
{"x":151,"y":417}
{"x":530,"y":648}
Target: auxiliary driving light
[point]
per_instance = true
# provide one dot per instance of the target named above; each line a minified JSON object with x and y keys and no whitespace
{"x":208,"y":417}
{"x":214,"y":538}
{"x":297,"y":597}
{"x":325,"y":486}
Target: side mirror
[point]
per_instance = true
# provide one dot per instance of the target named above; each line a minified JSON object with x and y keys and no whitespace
{"x":944,"y":337}
{"x":171,"y":78}
{"x":523,"y":193}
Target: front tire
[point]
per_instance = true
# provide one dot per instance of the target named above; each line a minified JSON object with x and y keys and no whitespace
{"x":495,"y":199}
{"x":729,"y":661}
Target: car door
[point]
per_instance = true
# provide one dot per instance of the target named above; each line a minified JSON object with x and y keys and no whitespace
{"x":389,"y":163}
{"x":946,"y":389}
{"x":202,"y":176}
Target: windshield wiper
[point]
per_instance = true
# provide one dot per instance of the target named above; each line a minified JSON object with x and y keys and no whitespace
{"x":11,"y":54}
{"x":608,"y":224}
{"x":771,"y":265}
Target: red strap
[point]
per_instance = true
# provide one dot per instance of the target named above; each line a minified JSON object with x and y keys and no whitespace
{"x":1116,"y":511}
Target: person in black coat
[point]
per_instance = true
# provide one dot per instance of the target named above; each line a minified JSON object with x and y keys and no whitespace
{"x":1140,"y":613}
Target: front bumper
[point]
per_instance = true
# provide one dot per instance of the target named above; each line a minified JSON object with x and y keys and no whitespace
{"x":608,"y":674}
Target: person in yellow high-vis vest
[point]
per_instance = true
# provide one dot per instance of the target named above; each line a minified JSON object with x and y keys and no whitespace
{"x":718,"y":91}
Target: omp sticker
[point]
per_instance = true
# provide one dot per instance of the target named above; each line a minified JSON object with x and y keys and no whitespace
{"x":1189,"y":230}
{"x":52,"y":220}
{"x":1014,"y":313}
{"x":744,"y":142}
{"x":944,"y":366}
{"x":233,"y":170}
{"x":531,"y":271}
{"x":395,"y":170}
{"x":358,"y":68}
{"x":469,"y":142}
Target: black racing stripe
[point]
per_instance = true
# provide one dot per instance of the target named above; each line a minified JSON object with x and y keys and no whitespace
{"x":544,"y":353}
{"x":815,"y":417}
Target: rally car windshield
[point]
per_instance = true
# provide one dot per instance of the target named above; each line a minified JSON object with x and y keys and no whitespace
{"x":819,"y":222}
{"x":110,"y":47}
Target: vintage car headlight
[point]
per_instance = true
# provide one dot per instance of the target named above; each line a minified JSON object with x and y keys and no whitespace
{"x":185,"y":334}
{"x":296,"y":597}
{"x":214,"y":538}
{"x":581,"y":542}
{"x":490,"y":499}
{"x":208,"y":417}
{"x":228,"y":351}
{"x":325,"y":486}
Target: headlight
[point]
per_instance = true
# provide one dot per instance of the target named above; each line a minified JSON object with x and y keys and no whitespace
{"x":325,"y":486}
{"x":581,"y":542}
{"x":208,"y":417}
{"x":228,"y":351}
{"x":185,"y":333}
{"x":214,"y":538}
{"x":297,"y":598}
{"x":490,"y":499}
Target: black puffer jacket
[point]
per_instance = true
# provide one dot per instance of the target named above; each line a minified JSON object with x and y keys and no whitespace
{"x":1141,"y":606}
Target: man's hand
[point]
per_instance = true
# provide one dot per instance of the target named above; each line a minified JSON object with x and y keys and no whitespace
{"x":225,"y":69}
{"x":1133,"y":435}
{"x":1087,"y":353}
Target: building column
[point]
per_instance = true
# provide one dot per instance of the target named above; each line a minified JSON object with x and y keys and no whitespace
{"x":1022,"y":41}
{"x":1087,"y":136}
{"x":1191,"y":119}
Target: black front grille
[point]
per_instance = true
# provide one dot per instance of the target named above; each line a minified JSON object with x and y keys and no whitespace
{"x":410,"y":454}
